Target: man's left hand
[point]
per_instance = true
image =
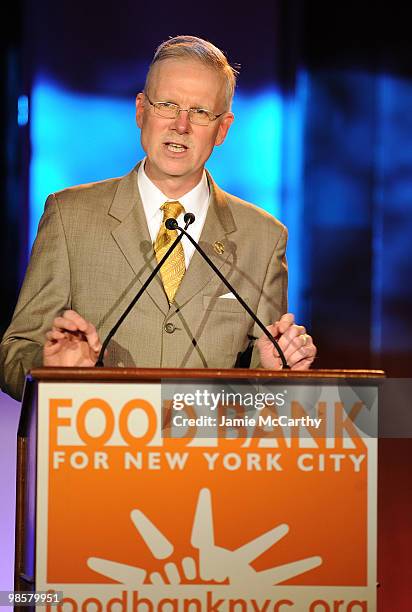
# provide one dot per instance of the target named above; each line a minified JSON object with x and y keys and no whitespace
{"x":295,"y":343}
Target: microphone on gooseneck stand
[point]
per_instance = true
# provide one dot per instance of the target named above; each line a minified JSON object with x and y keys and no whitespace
{"x":172,"y":224}
{"x":100,"y":360}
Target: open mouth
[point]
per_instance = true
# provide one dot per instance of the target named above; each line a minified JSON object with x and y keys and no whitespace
{"x":175,"y":147}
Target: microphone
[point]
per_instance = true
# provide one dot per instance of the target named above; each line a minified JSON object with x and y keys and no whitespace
{"x":100,"y":360}
{"x":173,"y":224}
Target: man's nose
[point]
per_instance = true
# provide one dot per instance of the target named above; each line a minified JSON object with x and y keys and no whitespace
{"x":182,"y":123}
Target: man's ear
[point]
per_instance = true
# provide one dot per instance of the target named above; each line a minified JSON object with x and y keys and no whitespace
{"x":224,"y":126}
{"x":139,"y":109}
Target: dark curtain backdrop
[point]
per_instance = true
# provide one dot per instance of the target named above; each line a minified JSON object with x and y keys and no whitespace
{"x":350,"y":67}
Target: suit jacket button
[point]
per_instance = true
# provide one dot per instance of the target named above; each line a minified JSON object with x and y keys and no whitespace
{"x":169,"y":328}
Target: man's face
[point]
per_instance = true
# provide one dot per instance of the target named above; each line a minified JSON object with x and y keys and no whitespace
{"x":176,"y":149}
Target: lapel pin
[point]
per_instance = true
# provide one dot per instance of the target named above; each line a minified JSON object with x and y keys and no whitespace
{"x":219,"y":247}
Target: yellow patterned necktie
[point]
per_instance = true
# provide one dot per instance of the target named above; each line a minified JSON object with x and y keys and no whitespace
{"x":174,"y":267}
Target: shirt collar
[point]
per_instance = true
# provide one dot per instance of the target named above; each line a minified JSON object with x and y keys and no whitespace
{"x":195,"y":201}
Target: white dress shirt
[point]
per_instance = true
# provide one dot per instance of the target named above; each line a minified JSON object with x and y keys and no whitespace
{"x":195,"y":201}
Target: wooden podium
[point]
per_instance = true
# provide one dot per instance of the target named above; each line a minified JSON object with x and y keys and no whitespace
{"x":180,"y":489}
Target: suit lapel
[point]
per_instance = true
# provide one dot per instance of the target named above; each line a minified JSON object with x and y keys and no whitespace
{"x":219,"y":223}
{"x":133,"y":238}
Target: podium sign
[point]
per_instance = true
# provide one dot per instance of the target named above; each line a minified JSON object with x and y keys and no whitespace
{"x":251,"y":515}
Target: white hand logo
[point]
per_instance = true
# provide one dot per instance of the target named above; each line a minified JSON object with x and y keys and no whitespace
{"x":215,"y":563}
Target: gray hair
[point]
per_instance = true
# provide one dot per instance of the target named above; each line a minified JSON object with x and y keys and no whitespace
{"x":192,"y":47}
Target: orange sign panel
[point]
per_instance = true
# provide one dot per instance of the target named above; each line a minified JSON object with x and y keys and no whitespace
{"x":131,"y":519}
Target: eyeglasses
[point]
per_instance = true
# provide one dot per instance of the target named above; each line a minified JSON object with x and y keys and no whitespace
{"x":169,"y":110}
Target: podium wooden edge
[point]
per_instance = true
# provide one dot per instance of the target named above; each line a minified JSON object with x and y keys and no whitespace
{"x":142,"y":374}
{"x":23,"y":582}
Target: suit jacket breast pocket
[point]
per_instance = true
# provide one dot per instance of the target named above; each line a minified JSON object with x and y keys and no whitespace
{"x":219,"y":304}
{"x":227,"y":325}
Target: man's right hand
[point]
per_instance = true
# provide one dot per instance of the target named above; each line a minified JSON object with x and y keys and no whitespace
{"x":72,"y":342}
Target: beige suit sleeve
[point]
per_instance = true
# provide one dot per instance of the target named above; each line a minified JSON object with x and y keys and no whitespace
{"x":273,"y":302}
{"x":44,"y":294}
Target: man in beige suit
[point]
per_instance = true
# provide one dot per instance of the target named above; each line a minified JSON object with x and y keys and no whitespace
{"x":98,"y":243}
